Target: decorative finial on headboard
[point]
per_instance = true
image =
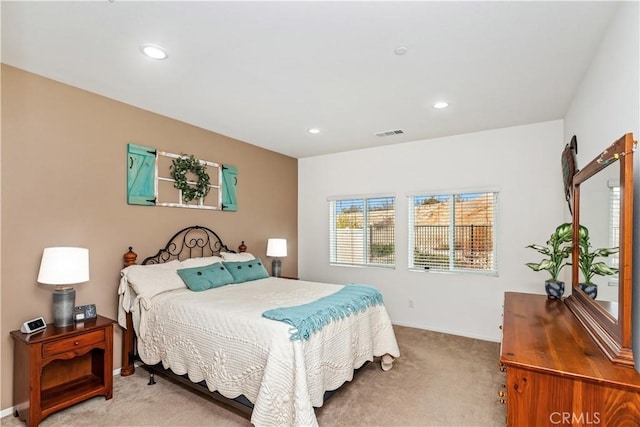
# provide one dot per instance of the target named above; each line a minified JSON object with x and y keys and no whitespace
{"x":130,"y":257}
{"x":242,"y":247}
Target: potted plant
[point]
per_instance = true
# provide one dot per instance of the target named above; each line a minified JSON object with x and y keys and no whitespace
{"x":556,"y":251}
{"x":588,"y":266}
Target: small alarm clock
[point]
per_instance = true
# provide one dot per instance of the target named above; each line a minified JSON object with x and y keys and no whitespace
{"x":33,"y":325}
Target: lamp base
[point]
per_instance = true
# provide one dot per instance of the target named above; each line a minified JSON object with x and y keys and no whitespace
{"x":276,"y":267}
{"x":64,"y":302}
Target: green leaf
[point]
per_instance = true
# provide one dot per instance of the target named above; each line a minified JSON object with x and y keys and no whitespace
{"x":583,"y":233}
{"x":602,"y":269}
{"x":180,"y":167}
{"x":542,"y":249}
{"x":564,"y":232}
{"x":547,"y":264}
{"x":534,"y":266}
{"x":606,"y":251}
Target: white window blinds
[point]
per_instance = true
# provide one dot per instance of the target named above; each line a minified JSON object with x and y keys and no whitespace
{"x":614,"y":220}
{"x":362,"y":231}
{"x":453,"y":232}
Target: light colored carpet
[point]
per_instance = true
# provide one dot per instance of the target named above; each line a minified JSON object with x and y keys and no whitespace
{"x":439,"y":380}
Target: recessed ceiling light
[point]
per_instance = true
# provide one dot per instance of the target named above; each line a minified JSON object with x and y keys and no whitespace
{"x":313,"y":131}
{"x":440,"y":105}
{"x":153,"y":51}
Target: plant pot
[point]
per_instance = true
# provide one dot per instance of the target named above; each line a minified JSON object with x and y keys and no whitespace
{"x":554,"y":288}
{"x":589,"y":289}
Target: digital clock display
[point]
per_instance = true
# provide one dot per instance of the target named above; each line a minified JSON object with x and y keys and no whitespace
{"x":33,"y":325}
{"x":36,"y":324}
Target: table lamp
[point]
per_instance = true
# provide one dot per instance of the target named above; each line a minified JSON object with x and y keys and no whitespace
{"x":64,"y":266}
{"x":276,"y":248}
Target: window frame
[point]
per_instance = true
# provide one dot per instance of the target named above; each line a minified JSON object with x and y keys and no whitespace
{"x":614,"y":226}
{"x":365,"y":246}
{"x":451,"y":194}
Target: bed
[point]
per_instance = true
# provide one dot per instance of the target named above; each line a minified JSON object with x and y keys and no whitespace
{"x":219,"y":338}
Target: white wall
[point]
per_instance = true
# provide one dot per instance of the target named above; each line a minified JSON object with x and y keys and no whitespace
{"x":523,"y":162}
{"x":606,"y":106}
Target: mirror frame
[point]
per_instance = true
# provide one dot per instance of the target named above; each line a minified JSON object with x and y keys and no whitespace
{"x":613,"y":335}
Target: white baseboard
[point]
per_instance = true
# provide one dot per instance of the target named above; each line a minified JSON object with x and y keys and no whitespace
{"x":6,"y":412}
{"x":11,"y":410}
{"x":445,"y":331}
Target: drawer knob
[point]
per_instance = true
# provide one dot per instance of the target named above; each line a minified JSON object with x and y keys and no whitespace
{"x":501,"y":393}
{"x":500,"y":327}
{"x":503,"y":401}
{"x":76,"y":343}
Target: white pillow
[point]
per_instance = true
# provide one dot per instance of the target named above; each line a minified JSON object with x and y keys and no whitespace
{"x":150,"y":280}
{"x":200,"y":262}
{"x":242,"y":256}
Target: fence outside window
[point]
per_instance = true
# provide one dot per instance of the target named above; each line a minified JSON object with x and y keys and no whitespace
{"x":348,"y":241}
{"x":473,"y":246}
{"x":453,"y":232}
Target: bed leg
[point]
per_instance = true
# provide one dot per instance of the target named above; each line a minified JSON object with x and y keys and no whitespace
{"x":386,"y":362}
{"x":152,"y":379}
{"x":128,"y":345}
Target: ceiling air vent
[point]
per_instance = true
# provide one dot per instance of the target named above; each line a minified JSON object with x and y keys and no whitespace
{"x":390,"y":132}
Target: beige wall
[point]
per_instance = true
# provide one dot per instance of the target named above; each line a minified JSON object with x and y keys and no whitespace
{"x":64,"y":184}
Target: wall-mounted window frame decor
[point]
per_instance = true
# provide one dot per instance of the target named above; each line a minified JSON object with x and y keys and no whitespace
{"x":144,"y":181}
{"x":212,"y":168}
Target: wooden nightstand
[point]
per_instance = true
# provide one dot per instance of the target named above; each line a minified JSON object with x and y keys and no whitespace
{"x":59,"y":367}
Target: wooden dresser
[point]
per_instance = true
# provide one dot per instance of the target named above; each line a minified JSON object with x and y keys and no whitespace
{"x":555,"y":372}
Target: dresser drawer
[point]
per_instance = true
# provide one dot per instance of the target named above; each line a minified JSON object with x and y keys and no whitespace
{"x":61,"y":346}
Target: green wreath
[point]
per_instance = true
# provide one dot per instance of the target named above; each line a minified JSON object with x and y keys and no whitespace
{"x":181,"y":166}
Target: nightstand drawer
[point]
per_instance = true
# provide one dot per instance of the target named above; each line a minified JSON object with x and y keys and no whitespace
{"x":61,"y":346}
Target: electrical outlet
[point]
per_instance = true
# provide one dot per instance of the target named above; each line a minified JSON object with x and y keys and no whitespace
{"x":410,"y":303}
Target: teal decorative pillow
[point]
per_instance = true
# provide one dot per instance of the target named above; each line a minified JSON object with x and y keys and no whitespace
{"x":246,"y":270}
{"x":206,"y":277}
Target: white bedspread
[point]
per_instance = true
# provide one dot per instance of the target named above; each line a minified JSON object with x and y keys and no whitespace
{"x":220,"y":336}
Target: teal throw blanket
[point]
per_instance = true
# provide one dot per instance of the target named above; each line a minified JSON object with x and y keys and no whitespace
{"x":312,"y":317}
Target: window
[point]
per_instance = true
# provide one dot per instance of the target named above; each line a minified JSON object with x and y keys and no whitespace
{"x":362,"y":231}
{"x":614,"y":223}
{"x":453,"y":232}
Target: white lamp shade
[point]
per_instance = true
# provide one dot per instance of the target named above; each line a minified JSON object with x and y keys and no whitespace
{"x":277,"y":247}
{"x":64,"y":266}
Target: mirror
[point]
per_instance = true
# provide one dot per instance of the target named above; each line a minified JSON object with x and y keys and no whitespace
{"x":607,"y":318}
{"x":600,"y":214}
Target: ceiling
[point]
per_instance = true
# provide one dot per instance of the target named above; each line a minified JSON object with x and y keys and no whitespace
{"x":266,"y":72}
